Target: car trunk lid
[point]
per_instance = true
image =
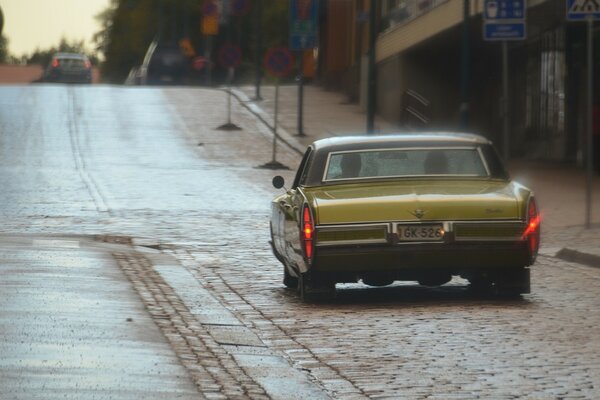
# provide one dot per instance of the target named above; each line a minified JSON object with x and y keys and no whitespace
{"x":411,"y":200}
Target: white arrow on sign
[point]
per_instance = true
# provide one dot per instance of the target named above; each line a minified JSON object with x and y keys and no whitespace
{"x":585,"y":7}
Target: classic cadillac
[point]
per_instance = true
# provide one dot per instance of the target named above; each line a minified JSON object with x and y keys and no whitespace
{"x":413,"y":207}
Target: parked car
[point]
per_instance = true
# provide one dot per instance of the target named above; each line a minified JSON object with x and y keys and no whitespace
{"x":164,"y":64}
{"x":69,"y":68}
{"x":412,"y":207}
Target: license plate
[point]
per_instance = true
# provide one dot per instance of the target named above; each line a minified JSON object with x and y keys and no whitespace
{"x":420,"y":233}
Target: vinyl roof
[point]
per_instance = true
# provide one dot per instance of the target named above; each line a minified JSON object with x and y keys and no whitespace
{"x":442,"y":138}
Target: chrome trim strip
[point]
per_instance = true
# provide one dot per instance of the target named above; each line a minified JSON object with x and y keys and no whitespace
{"x":487,"y":239}
{"x":514,"y":238}
{"x":485,"y":164}
{"x":392,"y":228}
{"x":352,"y":228}
{"x":350,"y":242}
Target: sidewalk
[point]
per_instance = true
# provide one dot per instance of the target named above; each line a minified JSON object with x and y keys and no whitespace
{"x":560,"y":189}
{"x":73,"y":328}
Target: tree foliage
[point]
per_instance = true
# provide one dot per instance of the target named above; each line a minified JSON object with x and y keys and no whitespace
{"x":129,"y":26}
{"x":43,"y":56}
{"x":4,"y":55}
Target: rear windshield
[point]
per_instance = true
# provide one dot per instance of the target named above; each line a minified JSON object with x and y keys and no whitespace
{"x":72,"y":62}
{"x":405,"y":162}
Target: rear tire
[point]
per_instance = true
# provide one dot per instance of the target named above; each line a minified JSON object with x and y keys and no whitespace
{"x":311,"y":289}
{"x":514,"y":282}
{"x":289,"y":281}
{"x":504,"y":283}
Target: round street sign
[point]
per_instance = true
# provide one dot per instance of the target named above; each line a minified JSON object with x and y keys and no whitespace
{"x":210,"y":8}
{"x":240,"y":7}
{"x":279,"y":61}
{"x":230,"y":56}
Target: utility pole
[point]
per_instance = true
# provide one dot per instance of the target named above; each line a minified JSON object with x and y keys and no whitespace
{"x":371,"y":80}
{"x":590,"y":121}
{"x":258,"y":50}
{"x":464,"y":69}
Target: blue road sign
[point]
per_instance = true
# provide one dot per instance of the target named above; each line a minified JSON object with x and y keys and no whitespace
{"x":504,"y":19}
{"x":304,"y":23}
{"x":502,"y":10}
{"x":578,"y":10}
{"x":514,"y":31}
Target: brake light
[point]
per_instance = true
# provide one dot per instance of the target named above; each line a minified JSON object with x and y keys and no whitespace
{"x":307,"y":234}
{"x":55,"y":63}
{"x":532,"y":231}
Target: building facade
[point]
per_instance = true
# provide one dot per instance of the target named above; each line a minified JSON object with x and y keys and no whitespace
{"x":418,"y":51}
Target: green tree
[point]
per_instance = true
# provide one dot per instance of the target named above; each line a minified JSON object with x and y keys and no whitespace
{"x":129,"y":26}
{"x":4,"y":54}
{"x":44,"y":56}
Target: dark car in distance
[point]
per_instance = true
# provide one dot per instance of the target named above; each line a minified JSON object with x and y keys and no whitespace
{"x":69,"y":68}
{"x":164,"y":64}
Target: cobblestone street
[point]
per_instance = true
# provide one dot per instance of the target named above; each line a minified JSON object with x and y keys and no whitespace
{"x":185,"y":208}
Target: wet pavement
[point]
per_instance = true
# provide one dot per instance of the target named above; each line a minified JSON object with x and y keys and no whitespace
{"x":73,"y":328}
{"x":173,"y":214}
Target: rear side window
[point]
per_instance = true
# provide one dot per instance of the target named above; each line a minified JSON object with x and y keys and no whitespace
{"x":303,"y":169}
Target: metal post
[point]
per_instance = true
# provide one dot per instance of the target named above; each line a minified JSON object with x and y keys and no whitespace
{"x":371,"y":94}
{"x":258,"y":50}
{"x":186,"y":20}
{"x":274,"y":158}
{"x":230,"y":72}
{"x":174,"y":22}
{"x":207,"y":55}
{"x":301,"y":94}
{"x":161,"y":23}
{"x":590,"y":101}
{"x":505,"y":103}
{"x":464,"y":69}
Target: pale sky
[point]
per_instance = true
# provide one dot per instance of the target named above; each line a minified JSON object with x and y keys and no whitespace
{"x":31,"y":24}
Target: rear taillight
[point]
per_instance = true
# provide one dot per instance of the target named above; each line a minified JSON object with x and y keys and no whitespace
{"x":307,"y":233}
{"x":532,"y":231}
{"x":55,"y":63}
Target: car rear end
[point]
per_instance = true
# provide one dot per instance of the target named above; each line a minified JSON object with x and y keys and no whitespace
{"x":420,"y":226}
{"x":69,"y":68}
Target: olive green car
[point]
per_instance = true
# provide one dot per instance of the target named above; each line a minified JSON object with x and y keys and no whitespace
{"x":412,"y":207}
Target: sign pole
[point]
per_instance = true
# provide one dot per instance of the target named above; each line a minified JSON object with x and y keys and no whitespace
{"x":258,"y":49}
{"x":275,"y":112}
{"x":230,"y":76}
{"x":505,"y":103}
{"x":279,"y":61}
{"x":207,"y":55}
{"x":590,"y":101}
{"x":304,"y":23}
{"x":301,"y":95}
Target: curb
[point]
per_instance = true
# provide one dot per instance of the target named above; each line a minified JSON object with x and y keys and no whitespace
{"x":264,"y":117}
{"x":579,"y":257}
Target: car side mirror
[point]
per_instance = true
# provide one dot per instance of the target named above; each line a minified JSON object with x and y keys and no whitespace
{"x":278,"y":182}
